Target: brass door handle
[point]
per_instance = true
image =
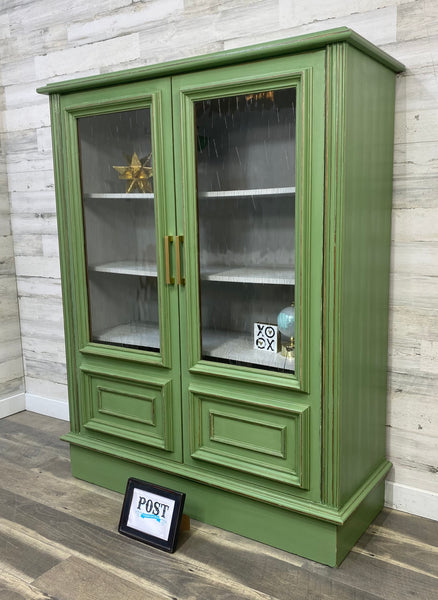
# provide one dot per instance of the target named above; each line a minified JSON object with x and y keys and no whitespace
{"x":179,"y":239}
{"x":168,"y":239}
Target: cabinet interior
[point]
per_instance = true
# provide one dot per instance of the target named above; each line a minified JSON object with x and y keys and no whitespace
{"x":245,"y":151}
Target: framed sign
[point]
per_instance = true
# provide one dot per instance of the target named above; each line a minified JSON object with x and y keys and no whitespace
{"x":266,"y":337}
{"x":151,"y":514}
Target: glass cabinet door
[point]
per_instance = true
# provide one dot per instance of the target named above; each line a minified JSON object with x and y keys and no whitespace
{"x":116,"y":165}
{"x":246,"y":227}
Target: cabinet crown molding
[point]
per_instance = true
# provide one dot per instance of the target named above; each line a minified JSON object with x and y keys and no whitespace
{"x":287,"y":46}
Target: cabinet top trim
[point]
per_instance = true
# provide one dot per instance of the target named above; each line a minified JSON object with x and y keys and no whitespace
{"x":283,"y":47}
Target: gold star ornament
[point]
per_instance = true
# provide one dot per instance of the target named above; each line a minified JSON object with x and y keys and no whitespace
{"x":138,"y":175}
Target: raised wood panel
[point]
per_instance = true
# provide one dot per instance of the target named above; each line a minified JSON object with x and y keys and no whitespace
{"x":246,"y":436}
{"x":132,"y":407}
{"x":131,"y":411}
{"x":238,"y":432}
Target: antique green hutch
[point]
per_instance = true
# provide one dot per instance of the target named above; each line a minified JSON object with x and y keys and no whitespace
{"x":224,"y":227}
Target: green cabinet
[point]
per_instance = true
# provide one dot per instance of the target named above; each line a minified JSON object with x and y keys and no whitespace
{"x":224,"y":228}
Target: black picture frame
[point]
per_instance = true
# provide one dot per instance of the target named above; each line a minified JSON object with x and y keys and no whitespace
{"x":151,"y":514}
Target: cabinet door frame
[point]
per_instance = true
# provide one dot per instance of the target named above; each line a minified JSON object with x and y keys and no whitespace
{"x":156,"y":371}
{"x":289,"y":401}
{"x":152,"y":94}
{"x":277,"y":73}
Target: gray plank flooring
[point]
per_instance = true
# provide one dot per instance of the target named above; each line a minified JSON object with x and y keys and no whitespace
{"x":59,"y":541}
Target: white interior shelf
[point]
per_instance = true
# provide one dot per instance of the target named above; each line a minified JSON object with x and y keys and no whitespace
{"x":249,"y":193}
{"x":136,"y":333}
{"x":233,"y":346}
{"x":216,"y":194}
{"x":122,"y":196}
{"x":127,"y":267}
{"x":262,"y":275}
{"x":216,"y":344}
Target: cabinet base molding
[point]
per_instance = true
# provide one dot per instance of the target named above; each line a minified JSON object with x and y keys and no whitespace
{"x":310,"y":537}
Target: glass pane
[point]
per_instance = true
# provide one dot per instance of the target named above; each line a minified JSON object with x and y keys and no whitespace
{"x":119,"y":221}
{"x":246,"y":224}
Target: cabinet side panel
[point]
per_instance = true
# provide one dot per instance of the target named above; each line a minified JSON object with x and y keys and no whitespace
{"x":67,"y":277}
{"x":367,"y":239}
{"x":363,"y":233}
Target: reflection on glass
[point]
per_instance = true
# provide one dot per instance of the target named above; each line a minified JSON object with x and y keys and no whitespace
{"x":246,"y":223}
{"x":119,"y":221}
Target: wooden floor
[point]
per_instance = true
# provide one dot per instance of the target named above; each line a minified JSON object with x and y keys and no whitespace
{"x":59,"y":540}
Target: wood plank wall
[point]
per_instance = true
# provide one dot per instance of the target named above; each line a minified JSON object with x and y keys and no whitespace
{"x":43,"y":41}
{"x":11,"y":361}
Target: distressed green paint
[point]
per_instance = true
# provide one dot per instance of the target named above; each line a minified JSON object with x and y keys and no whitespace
{"x":161,"y":468}
{"x":306,"y":452}
{"x":314,"y":537}
{"x":153,"y":96}
{"x":358,"y":236}
{"x":348,"y":534}
{"x":334,"y":181}
{"x":65,"y":260}
{"x":307,"y":74}
{"x":83,"y":355}
{"x":367,"y":230}
{"x":270,"y":441}
{"x":132,"y":411}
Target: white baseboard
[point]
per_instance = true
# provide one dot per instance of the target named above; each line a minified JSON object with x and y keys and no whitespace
{"x":411,"y":500}
{"x":12,"y":404}
{"x":47,"y":406}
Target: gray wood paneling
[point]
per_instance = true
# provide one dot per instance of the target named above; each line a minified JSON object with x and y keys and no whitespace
{"x":11,"y":363}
